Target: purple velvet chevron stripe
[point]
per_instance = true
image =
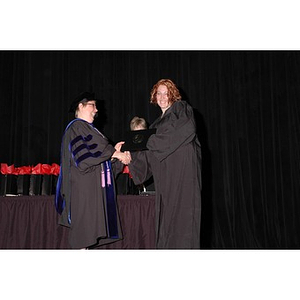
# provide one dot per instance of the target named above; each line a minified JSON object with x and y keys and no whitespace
{"x":82,"y":147}
{"x":79,"y":138}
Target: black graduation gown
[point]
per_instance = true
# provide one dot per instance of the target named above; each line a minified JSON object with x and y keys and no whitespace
{"x":85,"y":196}
{"x":174,"y":160}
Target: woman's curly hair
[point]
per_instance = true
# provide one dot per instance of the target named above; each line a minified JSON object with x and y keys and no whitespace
{"x":173,"y":92}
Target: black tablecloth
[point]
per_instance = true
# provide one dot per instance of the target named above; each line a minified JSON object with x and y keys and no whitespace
{"x":31,"y":222}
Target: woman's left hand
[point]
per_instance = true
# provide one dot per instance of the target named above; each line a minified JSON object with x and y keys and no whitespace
{"x":118,"y":146}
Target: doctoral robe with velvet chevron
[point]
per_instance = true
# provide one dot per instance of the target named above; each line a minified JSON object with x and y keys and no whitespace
{"x":85,"y":194}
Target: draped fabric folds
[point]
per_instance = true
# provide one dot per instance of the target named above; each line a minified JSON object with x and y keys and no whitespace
{"x":31,"y":222}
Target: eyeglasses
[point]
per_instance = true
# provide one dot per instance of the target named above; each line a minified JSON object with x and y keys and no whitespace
{"x":92,"y":104}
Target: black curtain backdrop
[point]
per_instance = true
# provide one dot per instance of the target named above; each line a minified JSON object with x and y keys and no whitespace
{"x":247,"y":111}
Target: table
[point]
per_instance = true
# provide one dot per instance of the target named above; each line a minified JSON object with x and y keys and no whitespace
{"x":31,"y":222}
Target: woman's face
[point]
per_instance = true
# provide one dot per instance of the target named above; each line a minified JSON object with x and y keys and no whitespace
{"x":162,"y":97}
{"x":87,"y":112}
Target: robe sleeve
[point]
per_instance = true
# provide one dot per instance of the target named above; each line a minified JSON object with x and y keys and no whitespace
{"x":88,"y":147}
{"x":179,"y":130}
{"x":117,"y":167}
{"x":139,"y":168}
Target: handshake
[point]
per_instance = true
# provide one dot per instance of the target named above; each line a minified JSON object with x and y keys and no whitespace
{"x":123,"y":157}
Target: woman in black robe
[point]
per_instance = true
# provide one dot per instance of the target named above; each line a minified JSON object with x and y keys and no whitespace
{"x":174,"y":159}
{"x":85,"y":196}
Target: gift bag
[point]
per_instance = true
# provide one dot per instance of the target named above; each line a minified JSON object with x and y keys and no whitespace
{"x":8,"y":180}
{"x":50,"y":179}
{"x":8,"y":184}
{"x":49,"y":184}
{"x":35,"y":187}
{"x":36,"y":178}
{"x":23,"y":184}
{"x":23,"y":180}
